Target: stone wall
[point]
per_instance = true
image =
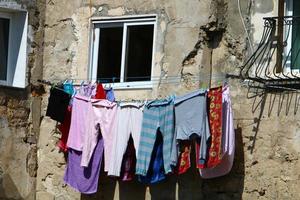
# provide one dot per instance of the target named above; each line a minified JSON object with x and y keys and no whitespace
{"x":195,"y":37}
{"x":204,"y":38}
{"x":19,"y":110}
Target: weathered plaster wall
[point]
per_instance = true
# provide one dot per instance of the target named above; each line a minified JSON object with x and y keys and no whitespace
{"x":18,"y":133}
{"x":204,"y":38}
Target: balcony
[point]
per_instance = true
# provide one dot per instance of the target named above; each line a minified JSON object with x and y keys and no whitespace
{"x":275,"y":65}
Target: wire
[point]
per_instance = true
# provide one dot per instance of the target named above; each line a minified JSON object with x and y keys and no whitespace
{"x":244,"y":25}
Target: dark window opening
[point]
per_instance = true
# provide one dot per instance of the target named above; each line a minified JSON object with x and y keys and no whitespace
{"x":139,"y":53}
{"x":295,"y":61}
{"x":110,"y":54}
{"x":4,"y":37}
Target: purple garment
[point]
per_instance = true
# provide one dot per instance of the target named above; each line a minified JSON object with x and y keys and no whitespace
{"x":84,"y":179}
{"x":228,"y":142}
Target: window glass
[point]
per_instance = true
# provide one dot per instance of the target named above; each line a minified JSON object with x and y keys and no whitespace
{"x":295,"y":36}
{"x":4,"y":36}
{"x":110,"y":54}
{"x":139,"y":53}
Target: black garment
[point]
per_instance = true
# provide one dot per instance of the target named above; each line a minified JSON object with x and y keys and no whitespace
{"x":57,"y":104}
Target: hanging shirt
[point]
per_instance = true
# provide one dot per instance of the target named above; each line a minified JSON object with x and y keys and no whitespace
{"x":191,"y":120}
{"x":228,"y":141}
{"x":57,"y":104}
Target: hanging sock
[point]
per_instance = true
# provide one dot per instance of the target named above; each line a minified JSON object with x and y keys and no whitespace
{"x":215,"y":122}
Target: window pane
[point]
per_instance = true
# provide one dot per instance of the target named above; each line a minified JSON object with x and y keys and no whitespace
{"x":139,"y":53}
{"x":4,"y":31}
{"x":110,"y":53}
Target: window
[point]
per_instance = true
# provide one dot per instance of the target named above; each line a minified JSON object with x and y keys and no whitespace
{"x":13,"y":40}
{"x":292,"y":32}
{"x":122,"y":51}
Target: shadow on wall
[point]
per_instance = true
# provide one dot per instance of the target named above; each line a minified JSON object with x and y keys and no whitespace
{"x":8,"y":189}
{"x":190,"y":185}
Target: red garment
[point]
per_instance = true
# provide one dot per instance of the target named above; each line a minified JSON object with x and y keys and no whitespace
{"x":215,"y":122}
{"x":184,"y":158}
{"x":100,"y":92}
{"x":128,"y":162}
{"x":199,"y":164}
{"x":64,"y":129}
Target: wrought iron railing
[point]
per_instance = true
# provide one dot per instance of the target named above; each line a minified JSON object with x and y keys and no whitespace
{"x":275,"y":64}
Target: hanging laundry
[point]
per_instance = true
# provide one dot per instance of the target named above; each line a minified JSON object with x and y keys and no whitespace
{"x":100,"y":93}
{"x":184,"y":157}
{"x":101,"y":113}
{"x":128,"y":122}
{"x":191,"y":121}
{"x":68,"y":87}
{"x":228,"y":141}
{"x":79,"y":122}
{"x":88,"y":90}
{"x":57,"y":104}
{"x":156,"y":172}
{"x":64,"y":129}
{"x":215,"y":122}
{"x":128,"y":162}
{"x":158,"y":115}
{"x":110,"y":95}
{"x":84,"y":179}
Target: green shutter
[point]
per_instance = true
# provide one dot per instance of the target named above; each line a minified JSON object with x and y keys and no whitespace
{"x":296,"y":36}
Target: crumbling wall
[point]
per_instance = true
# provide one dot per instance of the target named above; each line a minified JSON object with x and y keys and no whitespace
{"x":18,"y":132}
{"x":194,"y":38}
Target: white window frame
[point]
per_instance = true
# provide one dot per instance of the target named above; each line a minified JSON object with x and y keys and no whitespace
{"x":8,"y":74}
{"x":126,"y":22}
{"x":17,"y":47}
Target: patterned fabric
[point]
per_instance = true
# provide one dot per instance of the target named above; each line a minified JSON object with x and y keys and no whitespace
{"x":215,"y":122}
{"x":228,"y":141}
{"x":184,"y":158}
{"x":158,"y":114}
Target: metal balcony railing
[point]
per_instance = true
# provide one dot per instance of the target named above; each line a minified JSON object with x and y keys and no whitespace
{"x":276,"y":61}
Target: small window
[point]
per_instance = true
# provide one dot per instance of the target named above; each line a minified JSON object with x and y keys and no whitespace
{"x":122,"y":51}
{"x":13,"y":40}
{"x":4,"y":36}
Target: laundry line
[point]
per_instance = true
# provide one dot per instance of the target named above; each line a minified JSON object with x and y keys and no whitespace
{"x":142,"y":80}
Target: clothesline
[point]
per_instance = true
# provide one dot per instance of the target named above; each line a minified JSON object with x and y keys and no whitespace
{"x":153,"y":80}
{"x":160,"y":131}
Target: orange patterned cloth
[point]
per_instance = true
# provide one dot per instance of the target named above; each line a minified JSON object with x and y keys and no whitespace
{"x":184,"y":159}
{"x":215,"y":122}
